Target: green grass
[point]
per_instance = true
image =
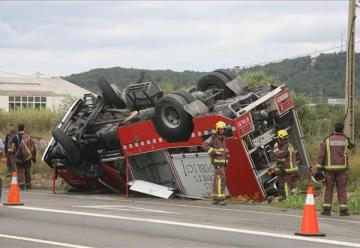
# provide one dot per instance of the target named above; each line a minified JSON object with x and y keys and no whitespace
{"x":297,"y":201}
{"x":38,"y":122}
{"x":354,"y":203}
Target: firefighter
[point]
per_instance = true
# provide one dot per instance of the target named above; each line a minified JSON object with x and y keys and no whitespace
{"x":333,"y":160}
{"x":10,"y":150}
{"x":286,"y":165}
{"x":215,"y":146}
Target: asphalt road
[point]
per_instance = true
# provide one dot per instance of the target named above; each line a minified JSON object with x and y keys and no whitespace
{"x":75,"y":220}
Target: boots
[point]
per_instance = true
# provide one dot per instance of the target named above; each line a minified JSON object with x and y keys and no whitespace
{"x":221,"y":202}
{"x":344,"y":212}
{"x":326,"y":211}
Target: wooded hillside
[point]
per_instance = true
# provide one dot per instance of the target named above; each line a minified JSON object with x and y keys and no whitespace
{"x":320,"y":76}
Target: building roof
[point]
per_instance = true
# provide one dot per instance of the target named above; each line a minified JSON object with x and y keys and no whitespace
{"x":26,"y":86}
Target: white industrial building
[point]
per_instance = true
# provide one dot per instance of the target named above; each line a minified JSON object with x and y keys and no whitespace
{"x":27,"y":92}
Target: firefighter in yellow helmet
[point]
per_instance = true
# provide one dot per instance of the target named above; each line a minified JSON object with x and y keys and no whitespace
{"x":215,"y":146}
{"x":287,"y":168}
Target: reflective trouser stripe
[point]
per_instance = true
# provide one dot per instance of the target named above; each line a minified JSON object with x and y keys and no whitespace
{"x":291,"y":170}
{"x":327,"y":205}
{"x":335,"y":167}
{"x":219,"y":186}
{"x":286,"y":186}
{"x":342,"y":205}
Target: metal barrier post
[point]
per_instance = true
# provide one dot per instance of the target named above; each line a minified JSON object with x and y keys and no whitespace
{"x":54,"y":177}
{"x":127,"y":176}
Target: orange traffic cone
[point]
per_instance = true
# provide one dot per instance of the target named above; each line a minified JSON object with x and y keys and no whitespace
{"x":14,"y":192}
{"x":309,"y":224}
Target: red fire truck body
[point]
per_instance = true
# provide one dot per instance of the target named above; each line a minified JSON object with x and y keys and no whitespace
{"x":182,"y":168}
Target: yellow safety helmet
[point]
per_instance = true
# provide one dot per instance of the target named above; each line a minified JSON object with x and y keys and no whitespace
{"x":219,"y":124}
{"x":282,"y":134}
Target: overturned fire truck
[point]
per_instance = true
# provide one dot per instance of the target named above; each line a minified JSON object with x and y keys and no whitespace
{"x":151,"y":142}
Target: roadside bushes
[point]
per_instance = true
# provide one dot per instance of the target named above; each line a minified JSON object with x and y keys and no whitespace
{"x":39,"y":122}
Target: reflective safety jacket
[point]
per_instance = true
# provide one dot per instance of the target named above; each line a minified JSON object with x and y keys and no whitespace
{"x":285,"y":157}
{"x":215,"y":147}
{"x":333,"y":154}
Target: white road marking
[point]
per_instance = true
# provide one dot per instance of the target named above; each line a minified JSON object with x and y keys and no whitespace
{"x":191,"y":225}
{"x":42,"y":241}
{"x":126,"y":208}
{"x":192,"y":206}
{"x":236,"y":210}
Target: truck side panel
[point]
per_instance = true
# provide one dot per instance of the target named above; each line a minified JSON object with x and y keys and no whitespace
{"x":240,"y":175}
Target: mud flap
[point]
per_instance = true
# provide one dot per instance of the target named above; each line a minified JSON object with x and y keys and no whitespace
{"x":236,"y":85}
{"x":151,"y":189}
{"x":196,"y":108}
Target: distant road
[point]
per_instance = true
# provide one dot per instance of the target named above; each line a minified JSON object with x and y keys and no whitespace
{"x":79,"y":221}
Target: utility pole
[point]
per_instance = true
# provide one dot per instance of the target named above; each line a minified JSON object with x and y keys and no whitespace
{"x":350,"y":73}
{"x":342,"y":41}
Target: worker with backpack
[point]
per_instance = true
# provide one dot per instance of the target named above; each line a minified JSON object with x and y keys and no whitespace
{"x":25,"y":153}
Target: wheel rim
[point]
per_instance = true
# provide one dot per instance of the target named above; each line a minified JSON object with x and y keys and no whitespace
{"x":170,"y":116}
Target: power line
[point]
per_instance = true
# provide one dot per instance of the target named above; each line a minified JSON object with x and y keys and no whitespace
{"x":294,"y":57}
{"x":248,"y":66}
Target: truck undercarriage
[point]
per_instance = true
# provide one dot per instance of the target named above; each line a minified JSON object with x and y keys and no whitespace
{"x":151,"y":142}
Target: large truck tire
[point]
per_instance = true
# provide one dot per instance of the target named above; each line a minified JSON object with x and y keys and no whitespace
{"x":111,"y":94}
{"x":215,"y":80}
{"x":227,"y":73}
{"x":68,"y":145}
{"x":170,"y":119}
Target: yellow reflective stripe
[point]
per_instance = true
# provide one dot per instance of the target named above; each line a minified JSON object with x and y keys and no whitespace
{"x":290,"y":158}
{"x":346,"y":151}
{"x":292,"y":169}
{"x":220,"y":161}
{"x":276,"y":150}
{"x":286,"y":186}
{"x":281,"y":159}
{"x":328,"y":154}
{"x":342,"y":205}
{"x":335,"y":167}
{"x":219,"y":186}
{"x":326,"y":205}
{"x":210,"y":150}
{"x":220,"y":150}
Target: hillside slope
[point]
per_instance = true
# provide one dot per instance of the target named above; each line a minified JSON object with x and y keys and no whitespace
{"x":320,"y":76}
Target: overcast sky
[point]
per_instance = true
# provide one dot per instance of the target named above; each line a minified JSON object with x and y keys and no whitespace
{"x":61,"y":38}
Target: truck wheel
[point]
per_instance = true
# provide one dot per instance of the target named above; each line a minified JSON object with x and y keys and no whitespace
{"x":229,"y":74}
{"x":67,"y":144}
{"x":186,"y":95}
{"x":170,"y":119}
{"x":111,"y":94}
{"x":215,"y":80}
